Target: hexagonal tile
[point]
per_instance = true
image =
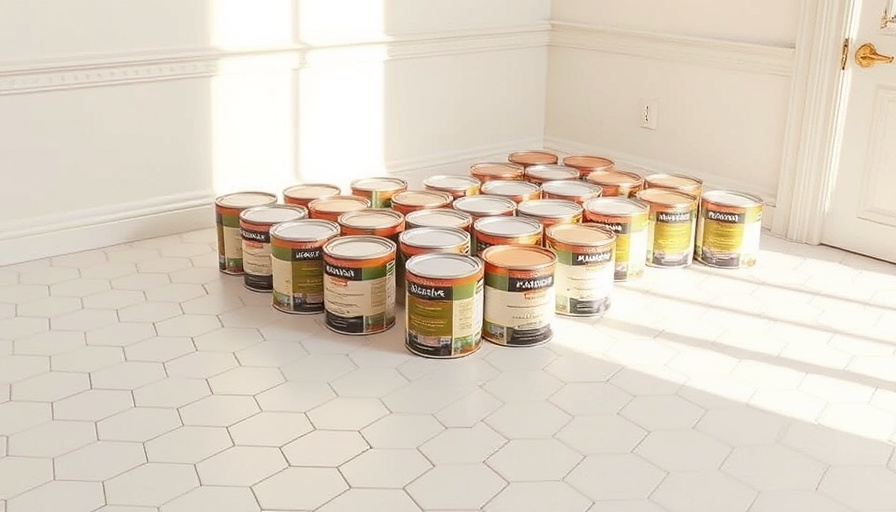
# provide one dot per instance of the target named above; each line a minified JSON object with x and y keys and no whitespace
{"x":84,"y":320}
{"x":218,"y":411}
{"x":49,"y":307}
{"x":385,"y":468}
{"x":188,"y":445}
{"x":469,"y":410}
{"x":859,"y":419}
{"x":245,"y":381}
{"x":214,"y":499}
{"x":523,"y":385}
{"x":211,"y":305}
{"x":615,"y":477}
{"x":99,"y":461}
{"x":200,"y":365}
{"x":19,"y":474}
{"x":627,"y":506}
{"x":22,"y":327}
{"x":69,"y":496}
{"x":368,"y":382}
{"x":538,"y":497}
{"x":601,"y":434}
{"x":463,"y":445}
{"x":319,"y":485}
{"x":271,"y":353}
{"x":163,"y":265}
{"x":861,"y":487}
{"x":151,"y":484}
{"x":140,"y":282}
{"x":113,"y":299}
{"x":523,"y":460}
{"x":533,"y":358}
{"x":23,"y":293}
{"x":150,"y":312}
{"x":92,"y":405}
{"x":49,"y":343}
{"x":87,"y":359}
{"x":48,"y":275}
{"x":187,"y":325}
{"x":50,"y":386}
{"x":121,"y":334}
{"x":127,"y":375}
{"x":773,"y":501}
{"x":51,"y":439}
{"x":707,"y":491}
{"x":171,"y":392}
{"x":835,"y":447}
{"x":590,"y":398}
{"x":251,"y":316}
{"x":79,"y":259}
{"x":347,"y":413}
{"x":159,"y":349}
{"x":16,"y":368}
{"x":682,"y":450}
{"x":138,"y":424}
{"x":456,"y":486}
{"x":228,"y":339}
{"x":195,"y":275}
{"x":792,"y":403}
{"x":662,"y":412}
{"x":79,"y":287}
{"x":318,"y":367}
{"x":401,"y":431}
{"x":325,"y":448}
{"x":19,"y":416}
{"x":371,"y":500}
{"x":295,"y":396}
{"x":527,"y":420}
{"x":741,"y":426}
{"x":270,"y":429}
{"x":580,"y":368}
{"x":109,"y":270}
{"x":638,"y":383}
{"x":774,"y":467}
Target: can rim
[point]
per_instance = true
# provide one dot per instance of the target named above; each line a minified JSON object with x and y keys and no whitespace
{"x":569,"y":208}
{"x":687,"y":200}
{"x":495,"y":200}
{"x":551,"y":232}
{"x":707,"y":196}
{"x":287,"y":191}
{"x":451,"y":212}
{"x":540,"y":170}
{"x":315,"y":205}
{"x":484,"y":255}
{"x":276,"y":230}
{"x":245,"y":215}
{"x":472,"y":181}
{"x":387,"y":245}
{"x":609,"y":162}
{"x":398,"y":183}
{"x":482,"y":225}
{"x":642,"y":207}
{"x":219,"y":201}
{"x":416,"y":260}
{"x":396,"y":199}
{"x":345,"y":218}
{"x":511,"y":167}
{"x":634,"y":178}
{"x":405,"y":238}
{"x":560,"y":184}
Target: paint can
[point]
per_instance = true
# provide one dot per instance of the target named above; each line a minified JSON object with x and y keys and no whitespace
{"x":487,"y":171}
{"x":443,"y":305}
{"x":255,"y":230}
{"x":627,"y":218}
{"x":227,"y":222}
{"x":586,"y":164}
{"x":384,"y":222}
{"x":413,"y":200}
{"x":298,"y":266}
{"x":359,"y":284}
{"x":304,"y":193}
{"x":616,"y":183}
{"x":489,"y":231}
{"x":330,"y":208}
{"x":455,"y":186}
{"x":671,"y":227}
{"x":485,"y":206}
{"x":540,"y":174}
{"x":426,"y":240}
{"x":519,"y":295}
{"x":551,"y":211}
{"x":439,"y":218}
{"x":728,"y":229}
{"x":585,"y":269}
{"x":575,"y":191}
{"x":532,"y":157}
{"x":378,"y":191}
{"x":515,"y":190}
{"x":680,"y":182}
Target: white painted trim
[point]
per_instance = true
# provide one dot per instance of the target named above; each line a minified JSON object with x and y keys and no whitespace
{"x":811,"y":139}
{"x":113,"y":69}
{"x":717,"y":53}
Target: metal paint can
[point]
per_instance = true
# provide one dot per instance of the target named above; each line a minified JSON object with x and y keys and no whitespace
{"x":359,"y":284}
{"x":539,"y":174}
{"x":628,"y":219}
{"x":426,"y":240}
{"x":586,"y":164}
{"x":671,"y":227}
{"x":487,"y":171}
{"x":455,"y":186}
{"x":255,"y":230}
{"x":439,"y":218}
{"x":575,"y":191}
{"x":585,"y":269}
{"x":489,"y":231}
{"x":298,"y":265}
{"x":519,"y":295}
{"x":680,"y":182}
{"x":413,"y":200}
{"x":616,"y":183}
{"x":443,"y":305}
{"x":551,"y":211}
{"x":384,"y":222}
{"x":304,"y":193}
{"x":728,"y":229}
{"x":532,"y":157}
{"x":515,"y":190}
{"x":485,"y":206}
{"x":227,"y":222}
{"x":378,"y":191}
{"x":330,"y":208}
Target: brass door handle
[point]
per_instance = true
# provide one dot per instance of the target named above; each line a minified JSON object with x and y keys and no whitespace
{"x":867,"y":56}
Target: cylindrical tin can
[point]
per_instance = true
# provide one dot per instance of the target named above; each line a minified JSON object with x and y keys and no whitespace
{"x":519,"y":295}
{"x":489,"y":231}
{"x":227,"y":222}
{"x":298,"y":265}
{"x":487,"y":171}
{"x":680,"y":182}
{"x":455,"y":186}
{"x":485,"y":206}
{"x":439,"y":218}
{"x":413,"y":200}
{"x":616,"y":183}
{"x":575,"y":191}
{"x":304,"y":193}
{"x":330,"y":208}
{"x":551,"y":211}
{"x":671,"y":227}
{"x":426,"y":240}
{"x":532,"y":157}
{"x":628,"y":219}
{"x":443,"y":305}
{"x":384,"y":222}
{"x":255,"y":230}
{"x":586,"y":164}
{"x":378,"y":191}
{"x":359,"y":284}
{"x":540,"y":174}
{"x":515,"y":190}
{"x":728,"y":229}
{"x":585,"y":269}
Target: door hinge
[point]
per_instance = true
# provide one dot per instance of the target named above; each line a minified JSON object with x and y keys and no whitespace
{"x":844,"y":56}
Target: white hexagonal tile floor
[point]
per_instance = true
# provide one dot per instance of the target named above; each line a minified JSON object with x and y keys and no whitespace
{"x":140,"y":379}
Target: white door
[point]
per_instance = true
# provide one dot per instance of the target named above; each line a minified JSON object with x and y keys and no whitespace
{"x":862,"y":210}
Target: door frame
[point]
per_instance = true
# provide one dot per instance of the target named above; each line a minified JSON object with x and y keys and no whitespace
{"x":814,"y":121}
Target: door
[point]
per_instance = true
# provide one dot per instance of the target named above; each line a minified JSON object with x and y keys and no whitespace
{"x":861,"y":215}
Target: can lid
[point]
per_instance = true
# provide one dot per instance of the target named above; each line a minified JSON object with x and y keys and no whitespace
{"x":665,"y":196}
{"x":581,"y":234}
{"x":434,"y":238}
{"x":615,"y":206}
{"x":312,"y":191}
{"x":273,"y":214}
{"x":246,"y":199}
{"x":379,"y":183}
{"x":570,"y":188}
{"x":450,"y":182}
{"x":588,"y":162}
{"x":359,"y":247}
{"x":532,"y":157}
{"x":305,"y":230}
{"x":731,"y":198}
{"x":552,"y":172}
{"x":339,"y":204}
{"x":497,"y":168}
{"x":549,"y":208}
{"x":420,"y":198}
{"x":672,"y":180}
{"x":484,"y":204}
{"x":439,"y":217}
{"x":509,"y":187}
{"x":519,"y":257}
{"x":443,"y":265}
{"x":371,"y":218}
{"x":614,"y":177}
{"x":507,"y":226}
